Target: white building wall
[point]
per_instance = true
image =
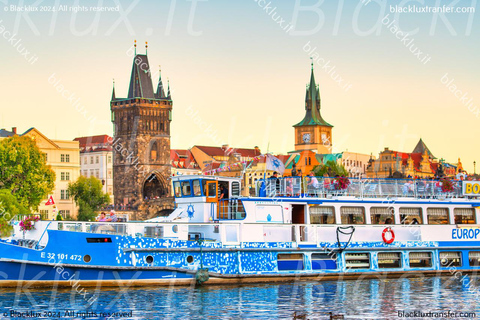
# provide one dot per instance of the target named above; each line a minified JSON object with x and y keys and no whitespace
{"x":100,"y":165}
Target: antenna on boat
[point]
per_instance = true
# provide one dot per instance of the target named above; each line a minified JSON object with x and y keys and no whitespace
{"x":265,"y":170}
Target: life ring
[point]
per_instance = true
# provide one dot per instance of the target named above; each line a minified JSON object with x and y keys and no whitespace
{"x":392,"y":235}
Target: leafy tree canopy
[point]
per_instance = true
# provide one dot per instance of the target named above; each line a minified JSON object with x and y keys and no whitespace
{"x":330,"y":168}
{"x":23,"y":171}
{"x":89,"y":196}
{"x":9,"y":208}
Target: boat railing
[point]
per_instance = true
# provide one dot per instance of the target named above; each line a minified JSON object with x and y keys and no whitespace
{"x":231,"y":209}
{"x":231,"y":233}
{"x":360,"y":188}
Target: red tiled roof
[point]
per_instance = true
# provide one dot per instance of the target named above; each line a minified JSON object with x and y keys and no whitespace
{"x":283,"y":157}
{"x":182,"y":152}
{"x":220,"y":151}
{"x":92,"y":141}
{"x":182,"y":159}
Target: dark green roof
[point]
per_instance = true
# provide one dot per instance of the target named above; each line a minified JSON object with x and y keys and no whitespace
{"x":311,"y":119}
{"x":421,"y":147}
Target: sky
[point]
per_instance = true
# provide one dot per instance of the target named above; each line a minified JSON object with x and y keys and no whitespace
{"x":238,"y":70}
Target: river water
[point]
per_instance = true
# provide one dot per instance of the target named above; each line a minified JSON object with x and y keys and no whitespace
{"x":355,"y":299}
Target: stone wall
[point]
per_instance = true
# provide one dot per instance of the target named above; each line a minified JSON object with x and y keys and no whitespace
{"x":141,"y":155}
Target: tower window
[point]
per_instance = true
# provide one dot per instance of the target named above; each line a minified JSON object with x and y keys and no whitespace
{"x":154,"y":151}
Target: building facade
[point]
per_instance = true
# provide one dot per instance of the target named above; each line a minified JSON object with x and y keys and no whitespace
{"x":141,"y":144}
{"x":356,"y":163}
{"x":313,"y":132}
{"x":96,"y":160}
{"x":419,"y":163}
{"x":64,"y":158}
{"x":183,"y":163}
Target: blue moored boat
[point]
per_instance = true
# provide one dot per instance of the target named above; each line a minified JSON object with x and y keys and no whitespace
{"x":289,"y":231}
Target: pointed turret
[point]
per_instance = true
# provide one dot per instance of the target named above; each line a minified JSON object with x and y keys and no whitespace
{"x":312,"y":87}
{"x":140,"y":80}
{"x":113,"y":91}
{"x":160,"y":91}
{"x":169,"y":96}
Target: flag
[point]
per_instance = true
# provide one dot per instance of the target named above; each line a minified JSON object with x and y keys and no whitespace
{"x":275,"y":164}
{"x":50,"y":201}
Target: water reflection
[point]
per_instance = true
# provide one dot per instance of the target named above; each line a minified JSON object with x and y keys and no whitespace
{"x":356,"y":299}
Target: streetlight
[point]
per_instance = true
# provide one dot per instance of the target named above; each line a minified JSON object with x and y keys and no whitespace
{"x":474,"y":171}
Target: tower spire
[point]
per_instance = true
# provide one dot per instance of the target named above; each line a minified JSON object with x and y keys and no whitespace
{"x":113,"y":91}
{"x":312,"y":104}
{"x":169,"y":96}
{"x":160,"y":91}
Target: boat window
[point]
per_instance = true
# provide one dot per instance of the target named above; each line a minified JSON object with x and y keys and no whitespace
{"x":322,"y":215}
{"x":197,"y":189}
{"x":437,"y":215}
{"x":353,"y":215}
{"x":474,"y":258}
{"x":186,"y":189}
{"x":235,"y":189}
{"x":464,"y":215}
{"x":290,"y":261}
{"x":411,"y":216}
{"x":231,"y":209}
{"x":389,"y":260}
{"x":323,"y":261}
{"x":357,"y":260}
{"x":382,"y":215}
{"x":420,"y":259}
{"x":212,"y":190}
{"x":153,"y":232}
{"x":178,"y":189}
{"x":448,"y":259}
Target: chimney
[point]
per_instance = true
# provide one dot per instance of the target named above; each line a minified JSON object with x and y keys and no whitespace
{"x":14,"y":130}
{"x":257,"y":149}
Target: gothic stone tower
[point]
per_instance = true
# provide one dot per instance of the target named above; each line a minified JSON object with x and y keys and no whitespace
{"x":313,"y":133}
{"x":141,"y":145}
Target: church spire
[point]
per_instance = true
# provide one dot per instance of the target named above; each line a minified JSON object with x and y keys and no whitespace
{"x":312,"y":104}
{"x":160,"y":91}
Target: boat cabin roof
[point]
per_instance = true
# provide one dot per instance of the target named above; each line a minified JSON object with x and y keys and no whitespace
{"x":205,"y":177}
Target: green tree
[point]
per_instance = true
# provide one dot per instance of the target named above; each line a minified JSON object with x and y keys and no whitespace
{"x":89,"y":196}
{"x":23,"y":171}
{"x":331,"y":168}
{"x":9,"y":208}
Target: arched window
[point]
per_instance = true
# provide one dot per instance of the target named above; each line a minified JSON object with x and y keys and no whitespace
{"x":153,"y":188}
{"x":154,"y":151}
